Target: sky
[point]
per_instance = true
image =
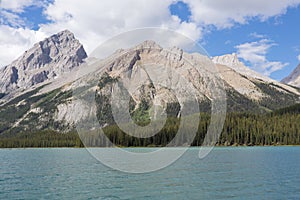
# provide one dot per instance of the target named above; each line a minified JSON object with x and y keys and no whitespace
{"x":265,"y":36}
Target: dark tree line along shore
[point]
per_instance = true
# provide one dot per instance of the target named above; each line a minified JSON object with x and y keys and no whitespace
{"x":281,"y":127}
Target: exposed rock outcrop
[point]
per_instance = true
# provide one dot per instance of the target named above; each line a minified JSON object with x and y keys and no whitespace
{"x":47,"y":60}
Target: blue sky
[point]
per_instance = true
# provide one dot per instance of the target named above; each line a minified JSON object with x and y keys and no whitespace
{"x":33,"y":17}
{"x":265,"y":37}
{"x":282,"y":31}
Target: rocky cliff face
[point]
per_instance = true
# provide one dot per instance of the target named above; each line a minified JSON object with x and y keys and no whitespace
{"x":46,"y":61}
{"x":294,"y":78}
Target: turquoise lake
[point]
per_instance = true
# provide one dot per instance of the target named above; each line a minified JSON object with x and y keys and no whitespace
{"x":226,"y":173}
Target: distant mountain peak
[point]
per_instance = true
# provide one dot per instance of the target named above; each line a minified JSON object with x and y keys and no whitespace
{"x":293,"y":78}
{"x":231,"y":60}
{"x":59,"y":38}
{"x":46,"y":60}
{"x":65,"y":32}
{"x":148,"y":44}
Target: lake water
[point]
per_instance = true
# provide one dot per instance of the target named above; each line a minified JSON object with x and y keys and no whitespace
{"x":226,"y":173}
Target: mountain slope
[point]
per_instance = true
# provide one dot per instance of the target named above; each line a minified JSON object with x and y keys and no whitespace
{"x":50,"y":103}
{"x":252,"y":84}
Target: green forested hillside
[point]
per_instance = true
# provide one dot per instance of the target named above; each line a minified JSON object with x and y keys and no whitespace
{"x":239,"y":129}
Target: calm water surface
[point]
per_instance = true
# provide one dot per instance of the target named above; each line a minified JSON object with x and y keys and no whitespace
{"x":227,"y":173}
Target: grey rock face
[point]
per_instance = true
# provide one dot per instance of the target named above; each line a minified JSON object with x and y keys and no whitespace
{"x":47,"y":60}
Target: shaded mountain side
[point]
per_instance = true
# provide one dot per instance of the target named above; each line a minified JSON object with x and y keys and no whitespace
{"x":279,"y":99}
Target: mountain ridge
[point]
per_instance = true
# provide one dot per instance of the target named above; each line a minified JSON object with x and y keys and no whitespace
{"x":50,"y":104}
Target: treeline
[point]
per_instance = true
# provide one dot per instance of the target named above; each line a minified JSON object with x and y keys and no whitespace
{"x":278,"y":128}
{"x":254,"y":129}
{"x":45,"y":138}
{"x":239,"y":129}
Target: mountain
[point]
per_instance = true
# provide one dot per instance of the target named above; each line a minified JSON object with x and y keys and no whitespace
{"x":45,"y":61}
{"x":260,"y":90}
{"x":294,"y":78}
{"x":54,"y":78}
{"x":232,"y":61}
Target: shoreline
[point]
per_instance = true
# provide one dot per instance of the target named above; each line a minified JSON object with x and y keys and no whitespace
{"x":219,"y":146}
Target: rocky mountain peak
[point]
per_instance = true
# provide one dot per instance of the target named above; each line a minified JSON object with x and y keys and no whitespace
{"x":232,"y":61}
{"x":228,"y":59}
{"x":293,"y":78}
{"x":148,"y":44}
{"x":46,"y":60}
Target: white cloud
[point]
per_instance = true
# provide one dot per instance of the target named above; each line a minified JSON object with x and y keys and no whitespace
{"x":298,"y":57}
{"x":94,"y":21}
{"x":225,"y":13}
{"x":256,"y":35}
{"x":11,"y":19}
{"x":15,"y":6}
{"x":10,"y":11}
{"x":15,"y":37}
{"x":14,"y":41}
{"x":256,"y":54}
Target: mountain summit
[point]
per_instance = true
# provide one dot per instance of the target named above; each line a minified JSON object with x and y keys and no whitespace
{"x":294,"y":78}
{"x":45,"y":61}
{"x":232,"y":61}
{"x":228,"y":59}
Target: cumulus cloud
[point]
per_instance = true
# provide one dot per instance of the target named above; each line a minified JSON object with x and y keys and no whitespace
{"x":94,"y":21}
{"x":15,"y":6}
{"x":10,"y":11}
{"x":256,"y":54}
{"x":15,"y":36}
{"x":14,"y":41}
{"x":226,"y":13}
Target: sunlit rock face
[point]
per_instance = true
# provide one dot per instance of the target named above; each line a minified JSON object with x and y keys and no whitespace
{"x":45,"y":61}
